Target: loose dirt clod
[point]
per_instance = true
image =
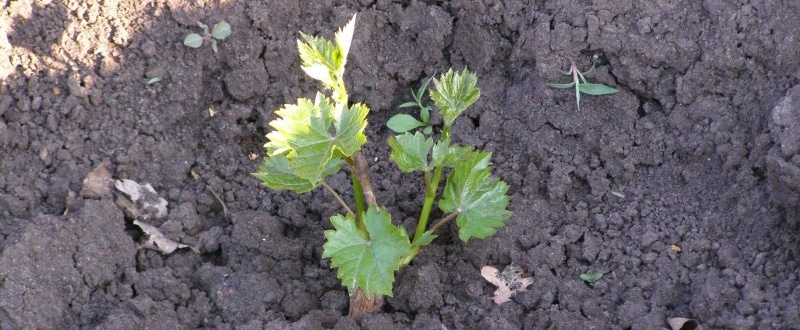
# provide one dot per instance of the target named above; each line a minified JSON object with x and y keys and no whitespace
{"x":97,"y":183}
{"x":508,"y":282}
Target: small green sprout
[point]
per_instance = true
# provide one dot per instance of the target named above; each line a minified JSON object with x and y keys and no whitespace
{"x":402,"y":123}
{"x":581,"y":86}
{"x":591,"y":277}
{"x":220,"y":31}
{"x":154,"y":80}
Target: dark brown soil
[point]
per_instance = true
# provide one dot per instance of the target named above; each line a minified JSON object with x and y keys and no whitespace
{"x":683,"y":188}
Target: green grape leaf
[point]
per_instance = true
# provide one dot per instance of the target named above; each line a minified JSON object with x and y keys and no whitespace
{"x":402,"y":123}
{"x":479,"y":199}
{"x":368,"y":263}
{"x":275,"y":174}
{"x":410,"y":152}
{"x":344,"y":38}
{"x":304,"y":131}
{"x":596,"y":89}
{"x":453,"y":92}
{"x":321,"y":59}
{"x":445,"y":154}
{"x":350,"y":124}
{"x":311,"y":133}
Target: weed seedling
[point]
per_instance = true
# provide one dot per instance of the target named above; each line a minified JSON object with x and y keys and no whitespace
{"x":313,"y":139}
{"x":581,"y":86}
{"x":220,"y":31}
{"x":590,"y":278}
{"x":402,"y":123}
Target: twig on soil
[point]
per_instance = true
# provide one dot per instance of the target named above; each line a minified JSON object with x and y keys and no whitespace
{"x":224,"y":207}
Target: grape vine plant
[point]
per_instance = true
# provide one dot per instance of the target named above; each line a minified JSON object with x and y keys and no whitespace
{"x":313,"y":139}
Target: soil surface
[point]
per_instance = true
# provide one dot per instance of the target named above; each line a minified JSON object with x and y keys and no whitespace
{"x":683,"y":189}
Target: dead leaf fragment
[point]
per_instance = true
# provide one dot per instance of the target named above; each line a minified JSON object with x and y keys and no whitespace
{"x":97,"y":183}
{"x":143,"y":201}
{"x":70,"y":201}
{"x":508,"y":282}
{"x":157,"y":241}
{"x":680,"y":323}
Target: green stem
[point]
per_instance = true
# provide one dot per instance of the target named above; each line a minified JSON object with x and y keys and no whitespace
{"x":444,"y":220}
{"x":358,"y":195}
{"x":432,"y":186}
{"x":430,"y":196}
{"x":362,"y":188}
{"x":407,"y":259}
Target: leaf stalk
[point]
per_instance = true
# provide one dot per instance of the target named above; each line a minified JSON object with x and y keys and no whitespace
{"x":338,"y":198}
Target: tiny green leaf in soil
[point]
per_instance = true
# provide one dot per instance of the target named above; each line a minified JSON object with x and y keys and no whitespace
{"x":221,"y":30}
{"x":402,"y":123}
{"x":581,"y":85}
{"x":591,"y":277}
{"x":193,"y":40}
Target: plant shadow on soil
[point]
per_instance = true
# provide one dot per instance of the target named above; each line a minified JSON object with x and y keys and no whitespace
{"x":682,"y":188}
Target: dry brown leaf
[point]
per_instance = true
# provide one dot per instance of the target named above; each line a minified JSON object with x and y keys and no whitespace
{"x":97,"y":184}
{"x":157,"y":241}
{"x":142,"y":200}
{"x":508,"y":282}
{"x":70,"y":201}
{"x":680,"y":323}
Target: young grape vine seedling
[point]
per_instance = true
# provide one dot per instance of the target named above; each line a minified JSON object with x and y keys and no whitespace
{"x":313,"y":139}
